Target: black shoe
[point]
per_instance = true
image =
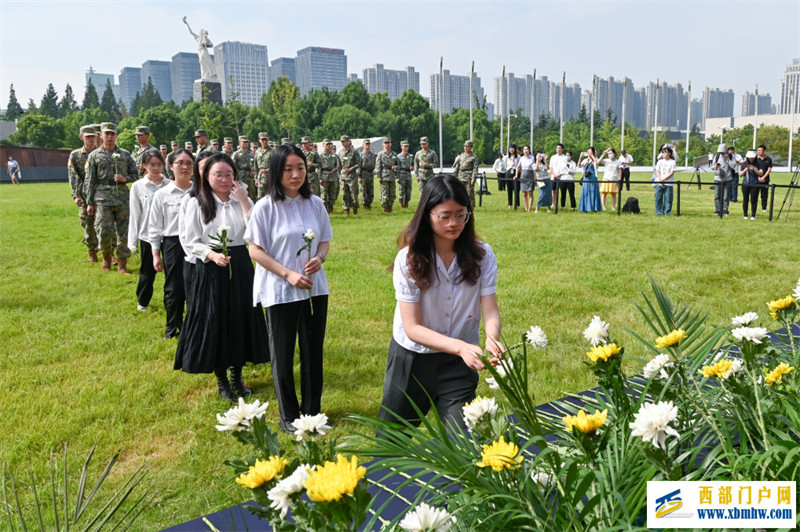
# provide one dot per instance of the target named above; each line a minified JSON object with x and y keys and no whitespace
{"x":287,"y":427}
{"x":238,"y":383}
{"x":224,"y":386}
{"x":171,"y":334}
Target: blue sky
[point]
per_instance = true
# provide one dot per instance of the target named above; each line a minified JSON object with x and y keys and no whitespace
{"x":732,"y":44}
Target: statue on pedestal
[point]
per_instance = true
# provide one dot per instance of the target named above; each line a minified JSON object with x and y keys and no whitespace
{"x":208,"y":71}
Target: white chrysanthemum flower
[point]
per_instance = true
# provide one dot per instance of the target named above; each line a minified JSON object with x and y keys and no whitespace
{"x":596,"y":332}
{"x":536,"y":337}
{"x":658,"y":367}
{"x":425,"y":518}
{"x":281,"y":494}
{"x":796,"y":293}
{"x":542,"y":480}
{"x":225,"y":228}
{"x":501,"y":372}
{"x":744,"y":320}
{"x":309,"y":235}
{"x":475,"y":411}
{"x":736,"y":367}
{"x":753,"y":334}
{"x":651,"y":423}
{"x":310,"y":426}
{"x":240,"y":417}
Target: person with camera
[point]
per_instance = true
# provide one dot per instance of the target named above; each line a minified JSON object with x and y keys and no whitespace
{"x":751,"y":173}
{"x":723,"y":166}
{"x":738,"y":160}
{"x":765,"y":164}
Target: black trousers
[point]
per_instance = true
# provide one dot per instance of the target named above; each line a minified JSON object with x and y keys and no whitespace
{"x":764,"y":194}
{"x":188,"y":280}
{"x":174,"y":291}
{"x":501,"y":181}
{"x":424,"y":377}
{"x":288,"y":322}
{"x":512,"y":189}
{"x":564,"y":187}
{"x":147,"y":274}
{"x":749,"y":197}
{"x":626,"y":178}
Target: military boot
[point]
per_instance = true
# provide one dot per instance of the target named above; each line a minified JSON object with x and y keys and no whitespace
{"x":355,"y":211}
{"x":92,"y":255}
{"x":107,"y":262}
{"x":238,"y":383}
{"x":224,"y":386}
{"x":347,"y":212}
{"x":122,"y":266}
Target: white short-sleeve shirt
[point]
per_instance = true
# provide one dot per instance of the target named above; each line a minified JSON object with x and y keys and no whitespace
{"x":449,"y":308}
{"x":277,"y":227}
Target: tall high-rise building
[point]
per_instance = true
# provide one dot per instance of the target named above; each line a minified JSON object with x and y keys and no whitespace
{"x":672,"y":104}
{"x":130,"y":82}
{"x":609,"y":95}
{"x":765,"y":106}
{"x":352,"y":78}
{"x":100,"y":80}
{"x":242,"y":70}
{"x":393,"y":82}
{"x":515,"y":93}
{"x":318,"y":67}
{"x":790,"y":89}
{"x":455,"y":92}
{"x":572,"y":101}
{"x":283,"y":66}
{"x":697,"y":113}
{"x":159,"y":73}
{"x":717,"y":103}
{"x":184,"y":70}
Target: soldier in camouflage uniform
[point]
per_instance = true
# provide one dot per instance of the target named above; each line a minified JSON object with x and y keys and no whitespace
{"x":425,"y":160}
{"x":201,"y":136}
{"x":243,"y":160}
{"x":227,"y":146}
{"x":143,"y":137}
{"x":405,"y":163}
{"x":466,"y":170}
{"x":261,"y":162}
{"x":215,"y":144}
{"x":386,"y":168}
{"x":108,"y":169}
{"x":168,"y":158}
{"x":312,"y":165}
{"x":350,"y":175}
{"x":329,"y":175}
{"x":367,"y":178}
{"x":188,"y":146}
{"x":76,"y":167}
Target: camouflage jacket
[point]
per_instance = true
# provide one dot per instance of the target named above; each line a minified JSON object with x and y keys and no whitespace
{"x":466,"y":166}
{"x":424,"y":163}
{"x":351,"y":163}
{"x":405,"y":163}
{"x":261,"y":160}
{"x":101,"y":166}
{"x":312,"y":164}
{"x":137,"y":156}
{"x":383,"y":165}
{"x":243,"y":160}
{"x":368,"y":159}
{"x":329,"y":166}
{"x":207,"y":148}
{"x":76,"y":168}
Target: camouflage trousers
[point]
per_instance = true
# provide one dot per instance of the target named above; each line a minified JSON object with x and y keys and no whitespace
{"x":110,"y":224}
{"x":350,"y":193}
{"x":330,"y":191}
{"x":470,"y":186}
{"x":313,"y":183}
{"x":404,"y":190}
{"x":422,"y":181}
{"x":261,"y":186}
{"x":367,"y":189}
{"x":89,"y":234}
{"x":387,"y":193}
{"x":252,"y":188}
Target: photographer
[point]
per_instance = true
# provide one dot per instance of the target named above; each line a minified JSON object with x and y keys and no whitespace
{"x":737,"y":163}
{"x":765,"y":165}
{"x":724,"y":168}
{"x":750,"y":173}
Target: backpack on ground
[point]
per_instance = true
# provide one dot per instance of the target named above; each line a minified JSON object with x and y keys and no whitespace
{"x":631,"y":205}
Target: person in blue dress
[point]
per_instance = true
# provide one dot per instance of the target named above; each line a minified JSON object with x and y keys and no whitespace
{"x":590,"y":190}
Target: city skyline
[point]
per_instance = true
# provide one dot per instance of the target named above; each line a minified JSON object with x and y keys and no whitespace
{"x":30,"y":64}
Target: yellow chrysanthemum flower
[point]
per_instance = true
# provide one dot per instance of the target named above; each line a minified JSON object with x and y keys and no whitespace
{"x":603,"y":352}
{"x":779,"y":304}
{"x":670,"y":339}
{"x":500,"y":455}
{"x":334,"y":479}
{"x":584,"y":423}
{"x":719,"y":370}
{"x":776,"y":374}
{"x":262,"y":472}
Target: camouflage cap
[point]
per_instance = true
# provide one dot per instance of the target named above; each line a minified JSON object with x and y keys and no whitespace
{"x":327,"y":141}
{"x":387,"y":140}
{"x":367,"y":141}
{"x":108,"y":127}
{"x":174,"y":143}
{"x":214,"y":142}
{"x":404,"y":143}
{"x":200,"y":133}
{"x":305,"y":140}
{"x":243,"y":138}
{"x":286,"y":140}
{"x":263,"y":136}
{"x":468,"y":143}
{"x":162,"y":147}
{"x":227,"y":139}
{"x":88,"y":131}
{"x":96,"y":128}
{"x":188,"y":144}
{"x":142,"y":130}
{"x":344,"y":138}
{"x":273,"y":144}
{"x":424,"y":140}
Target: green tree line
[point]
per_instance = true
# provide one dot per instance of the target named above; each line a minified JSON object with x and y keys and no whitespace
{"x":325,"y":113}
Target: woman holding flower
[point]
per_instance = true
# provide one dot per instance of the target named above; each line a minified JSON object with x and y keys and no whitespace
{"x":289,"y":236}
{"x":222,"y":328}
{"x":444,"y":279}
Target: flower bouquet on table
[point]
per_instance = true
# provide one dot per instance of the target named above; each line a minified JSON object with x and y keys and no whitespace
{"x":219,"y":243}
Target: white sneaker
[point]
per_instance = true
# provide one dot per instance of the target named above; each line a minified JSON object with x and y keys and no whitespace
{"x":140,"y":308}
{"x":752,"y":217}
{"x":745,"y":217}
{"x":763,"y":210}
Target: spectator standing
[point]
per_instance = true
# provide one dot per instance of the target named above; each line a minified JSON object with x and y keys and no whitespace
{"x":557,"y":170}
{"x":724,"y":168}
{"x":750,"y":173}
{"x":499,"y":168}
{"x":665,"y":177}
{"x":543,"y":182}
{"x":738,"y":160}
{"x":13,"y":170}
{"x":625,"y":162}
{"x":590,"y":190}
{"x":611,"y":178}
{"x":765,"y":165}
{"x":510,"y":162}
{"x":526,"y":176}
{"x":568,"y":180}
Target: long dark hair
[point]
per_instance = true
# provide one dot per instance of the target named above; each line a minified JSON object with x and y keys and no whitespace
{"x":516,"y":151}
{"x":152,"y":154}
{"x":276,"y":164}
{"x":418,"y":235}
{"x":202,"y":188}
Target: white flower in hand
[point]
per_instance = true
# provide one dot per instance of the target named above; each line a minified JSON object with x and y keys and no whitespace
{"x":427,"y":519}
{"x":596,"y":332}
{"x":651,"y":423}
{"x":310,"y":426}
{"x":225,"y":228}
{"x":754,"y":334}
{"x":657,"y":367}
{"x":744,"y":320}
{"x":536,"y":337}
{"x":505,"y":365}
{"x":309,"y":234}
{"x":240,"y":417}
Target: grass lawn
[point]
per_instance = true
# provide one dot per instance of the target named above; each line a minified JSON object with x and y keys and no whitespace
{"x":79,"y":364}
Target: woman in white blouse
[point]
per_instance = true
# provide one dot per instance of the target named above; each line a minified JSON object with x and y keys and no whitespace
{"x":444,"y":280}
{"x":290,"y":283}
{"x":222,"y":328}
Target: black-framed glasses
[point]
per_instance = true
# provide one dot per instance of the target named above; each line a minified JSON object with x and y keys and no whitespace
{"x":458,"y":219}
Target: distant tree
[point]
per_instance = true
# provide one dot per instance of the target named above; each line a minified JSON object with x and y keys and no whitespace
{"x":67,"y":104}
{"x":32,"y":109}
{"x":283,"y":102}
{"x":136,"y":104}
{"x":109,"y":104}
{"x":345,"y":119}
{"x":163,"y":121}
{"x":39,"y":130}
{"x":150,"y":97}
{"x":49,"y":103}
{"x":13,"y":109}
{"x":71,"y":124}
{"x":378,"y":103}
{"x":311,"y":109}
{"x":415,"y":118}
{"x":90,"y":98}
{"x":354,"y":94}
{"x":583,"y":115}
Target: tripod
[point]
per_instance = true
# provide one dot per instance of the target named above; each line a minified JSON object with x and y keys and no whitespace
{"x":696,"y":174}
{"x":790,"y":192}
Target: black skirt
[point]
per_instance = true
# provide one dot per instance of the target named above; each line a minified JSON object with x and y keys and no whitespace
{"x":222,"y":327}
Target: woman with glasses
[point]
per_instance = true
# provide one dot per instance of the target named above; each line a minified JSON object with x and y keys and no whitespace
{"x":444,"y":280}
{"x":222,"y":329}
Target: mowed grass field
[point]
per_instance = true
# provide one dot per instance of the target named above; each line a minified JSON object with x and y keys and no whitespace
{"x":80,"y":365}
